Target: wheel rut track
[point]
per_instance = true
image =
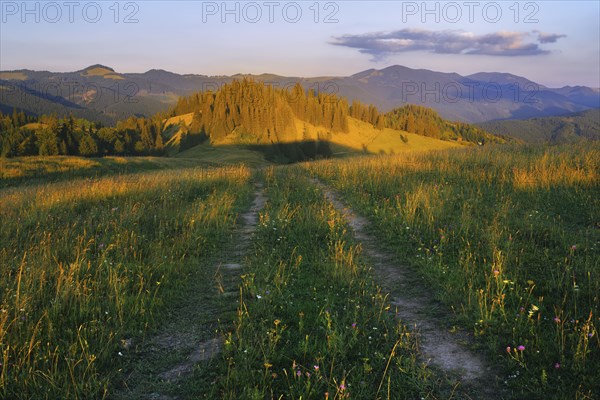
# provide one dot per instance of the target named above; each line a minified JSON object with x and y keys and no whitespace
{"x":448,"y":352}
{"x":185,"y":339}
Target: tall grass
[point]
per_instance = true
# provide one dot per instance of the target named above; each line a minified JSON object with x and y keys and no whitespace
{"x":310,"y":322}
{"x":38,"y":170}
{"x":86,"y":264}
{"x":510,"y":238}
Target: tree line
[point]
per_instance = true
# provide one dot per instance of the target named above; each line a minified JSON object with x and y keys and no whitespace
{"x":427,"y":122}
{"x":48,"y":135}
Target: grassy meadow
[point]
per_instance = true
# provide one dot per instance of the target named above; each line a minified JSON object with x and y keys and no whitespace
{"x":41,"y":170}
{"x":311,"y":323}
{"x":87,"y":264}
{"x":507,"y":238}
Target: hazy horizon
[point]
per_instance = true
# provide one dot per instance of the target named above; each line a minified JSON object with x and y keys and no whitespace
{"x":142,"y":71}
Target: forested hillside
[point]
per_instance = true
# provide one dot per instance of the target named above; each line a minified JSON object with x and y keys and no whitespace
{"x":268,"y":113}
{"x":242,"y":112}
{"x":560,"y":129}
{"x":427,"y":122}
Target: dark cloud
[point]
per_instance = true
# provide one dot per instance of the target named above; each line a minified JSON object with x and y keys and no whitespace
{"x":382,"y":44}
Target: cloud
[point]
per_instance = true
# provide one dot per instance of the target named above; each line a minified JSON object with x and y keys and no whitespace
{"x":548,"y":37}
{"x":511,"y":44}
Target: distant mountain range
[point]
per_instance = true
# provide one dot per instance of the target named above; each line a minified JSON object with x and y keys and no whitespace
{"x":559,"y":129}
{"x":100,"y":93}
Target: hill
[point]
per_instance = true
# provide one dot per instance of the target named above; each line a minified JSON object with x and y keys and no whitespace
{"x":287,"y":126}
{"x":367,"y":139}
{"x":102,"y":94}
{"x":561,"y":129}
{"x":296,"y":124}
{"x":361,"y":138}
{"x":427,"y":122}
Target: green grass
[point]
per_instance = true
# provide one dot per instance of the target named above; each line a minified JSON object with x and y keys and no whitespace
{"x":87,"y":264}
{"x":361,"y":138}
{"x":311,"y":323}
{"x":509,"y":238}
{"x":37,"y":170}
{"x":224,"y":155}
{"x":97,"y":251}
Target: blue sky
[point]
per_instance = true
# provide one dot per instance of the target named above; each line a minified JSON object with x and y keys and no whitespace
{"x":555,"y":43}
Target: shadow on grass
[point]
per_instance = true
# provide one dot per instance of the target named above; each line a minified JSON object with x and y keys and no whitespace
{"x":43,"y":170}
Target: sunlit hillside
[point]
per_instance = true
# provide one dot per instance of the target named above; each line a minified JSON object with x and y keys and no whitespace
{"x":361,"y":137}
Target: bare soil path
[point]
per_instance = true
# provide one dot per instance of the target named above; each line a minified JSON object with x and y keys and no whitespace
{"x":446,"y":350}
{"x":163,"y":365}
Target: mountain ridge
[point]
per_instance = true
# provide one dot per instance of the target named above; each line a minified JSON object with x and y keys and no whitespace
{"x":567,"y":128}
{"x":241,"y":74}
{"x":474,"y":98}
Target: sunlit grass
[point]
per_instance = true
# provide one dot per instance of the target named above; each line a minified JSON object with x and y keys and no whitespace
{"x":27,"y":166}
{"x":507,"y":237}
{"x":510,"y":239}
{"x":31,"y":170}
